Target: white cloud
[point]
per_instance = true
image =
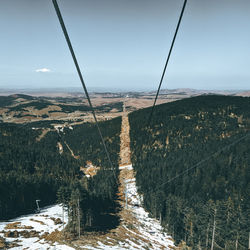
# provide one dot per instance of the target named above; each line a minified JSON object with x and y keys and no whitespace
{"x":43,"y":70}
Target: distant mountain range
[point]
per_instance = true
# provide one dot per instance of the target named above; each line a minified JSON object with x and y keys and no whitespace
{"x":77,"y":92}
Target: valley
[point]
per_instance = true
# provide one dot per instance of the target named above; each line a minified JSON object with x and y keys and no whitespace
{"x":136,"y":229}
{"x":72,"y":108}
{"x":169,"y":180}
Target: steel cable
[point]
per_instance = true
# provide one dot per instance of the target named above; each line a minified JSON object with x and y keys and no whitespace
{"x":166,"y":64}
{"x":59,"y":15}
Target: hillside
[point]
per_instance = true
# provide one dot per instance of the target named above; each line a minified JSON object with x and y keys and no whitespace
{"x":192,"y":166}
{"x":30,"y":169}
{"x":19,"y":108}
{"x":92,"y":194}
{"x":72,"y":108}
{"x":39,"y":165}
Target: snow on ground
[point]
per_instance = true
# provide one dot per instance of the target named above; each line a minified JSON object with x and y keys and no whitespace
{"x":42,"y":222}
{"x":59,"y":128}
{"x":147,"y":229}
{"x":128,"y":167}
{"x":102,"y":246}
{"x":148,"y":232}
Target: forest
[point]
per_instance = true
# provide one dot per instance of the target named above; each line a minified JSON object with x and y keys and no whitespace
{"x":96,"y":196}
{"x":192,"y":166}
{"x":33,"y":169}
{"x":30,"y":169}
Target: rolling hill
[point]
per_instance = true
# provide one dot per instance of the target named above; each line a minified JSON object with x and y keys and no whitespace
{"x":192,"y":166}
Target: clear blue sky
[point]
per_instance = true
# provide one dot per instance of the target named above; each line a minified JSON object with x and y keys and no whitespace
{"x":124,"y":43}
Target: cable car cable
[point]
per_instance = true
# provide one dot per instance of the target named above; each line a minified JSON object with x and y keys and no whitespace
{"x":59,"y":15}
{"x":166,"y":64}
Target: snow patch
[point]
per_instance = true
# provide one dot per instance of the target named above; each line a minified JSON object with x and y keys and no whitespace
{"x":148,"y":227}
{"x":128,"y":167}
{"x":41,"y":222}
{"x":59,"y":128}
{"x":151,"y":234}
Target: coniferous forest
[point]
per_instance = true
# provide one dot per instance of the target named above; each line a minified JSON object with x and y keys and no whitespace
{"x":95,"y":197}
{"x":33,"y":169}
{"x":30,"y":170}
{"x":192,"y":166}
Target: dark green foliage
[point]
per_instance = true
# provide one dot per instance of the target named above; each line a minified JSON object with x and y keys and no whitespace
{"x":102,"y":108}
{"x":41,"y":104}
{"x":9,"y":100}
{"x":96,"y":195}
{"x":182,"y":134}
{"x":71,"y":108}
{"x":38,"y":104}
{"x":21,"y":115}
{"x":6,"y":101}
{"x":64,"y":100}
{"x":85,"y":141}
{"x":30,"y":170}
{"x":27,"y":97}
{"x":110,"y":106}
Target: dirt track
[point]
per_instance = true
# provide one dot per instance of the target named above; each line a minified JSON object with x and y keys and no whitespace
{"x":129,"y":234}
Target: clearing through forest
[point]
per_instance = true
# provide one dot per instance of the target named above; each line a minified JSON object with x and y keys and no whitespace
{"x":136,"y":229}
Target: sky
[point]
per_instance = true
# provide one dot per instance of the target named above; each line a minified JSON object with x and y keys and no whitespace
{"x":123,"y":44}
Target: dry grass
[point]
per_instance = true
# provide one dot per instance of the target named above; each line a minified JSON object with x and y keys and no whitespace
{"x":13,"y":225}
{"x":56,"y":220}
{"x":38,"y":221}
{"x":16,"y":225}
{"x":52,"y":237}
{"x":2,"y":243}
{"x":44,"y":132}
{"x":125,"y":152}
{"x":23,"y":233}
